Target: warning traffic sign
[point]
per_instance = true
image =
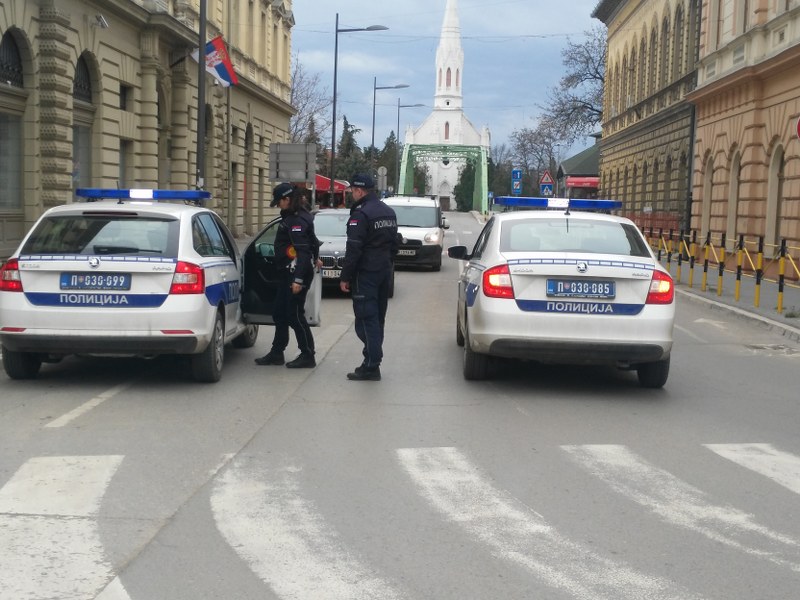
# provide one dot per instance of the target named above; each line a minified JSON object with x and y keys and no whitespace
{"x":546,"y":179}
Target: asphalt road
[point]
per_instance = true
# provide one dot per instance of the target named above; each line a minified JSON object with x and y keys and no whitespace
{"x":125,"y":480}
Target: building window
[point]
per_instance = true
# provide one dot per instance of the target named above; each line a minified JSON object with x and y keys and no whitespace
{"x":125,"y":97}
{"x":447,"y":130}
{"x":10,"y":162}
{"x":82,"y":87}
{"x":10,"y":62}
{"x":449,"y":78}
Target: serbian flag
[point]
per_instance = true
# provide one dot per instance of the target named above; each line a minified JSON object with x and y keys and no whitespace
{"x":218,"y":63}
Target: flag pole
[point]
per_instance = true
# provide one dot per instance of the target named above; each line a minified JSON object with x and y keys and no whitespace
{"x":201,"y":100}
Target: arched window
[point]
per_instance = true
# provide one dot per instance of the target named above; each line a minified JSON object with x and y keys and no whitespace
{"x":11,"y":142}
{"x":10,"y":62}
{"x":774,"y":197}
{"x":651,"y":85}
{"x":447,"y":130}
{"x":641,"y":90}
{"x":664,"y":68}
{"x":449,"y":78}
{"x":708,"y":184}
{"x":440,"y":78}
{"x":633,"y":93}
{"x":733,"y":199}
{"x":677,"y":60}
{"x":82,"y":120}
{"x":458,"y":78}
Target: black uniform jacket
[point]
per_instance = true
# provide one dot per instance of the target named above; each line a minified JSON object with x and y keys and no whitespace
{"x":371,"y":237}
{"x":296,"y":245}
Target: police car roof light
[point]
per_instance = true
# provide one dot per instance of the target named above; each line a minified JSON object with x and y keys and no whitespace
{"x":566,"y":203}
{"x":195,"y":196}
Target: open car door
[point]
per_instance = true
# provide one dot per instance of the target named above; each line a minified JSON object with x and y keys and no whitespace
{"x":261,"y":280}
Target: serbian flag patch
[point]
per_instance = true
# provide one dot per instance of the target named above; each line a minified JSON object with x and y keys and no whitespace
{"x":218,"y":63}
{"x":297,"y":228}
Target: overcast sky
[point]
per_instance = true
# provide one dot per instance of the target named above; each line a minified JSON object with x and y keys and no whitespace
{"x":512,"y":56}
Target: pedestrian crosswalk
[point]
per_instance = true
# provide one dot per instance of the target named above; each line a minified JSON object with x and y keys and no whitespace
{"x":51,"y":546}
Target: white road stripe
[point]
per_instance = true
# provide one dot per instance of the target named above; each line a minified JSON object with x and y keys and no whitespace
{"x":681,"y":504}
{"x":783,"y":468}
{"x":691,"y":334}
{"x":49,"y":543}
{"x":87,"y":406}
{"x":516,"y":533}
{"x":285,"y":541}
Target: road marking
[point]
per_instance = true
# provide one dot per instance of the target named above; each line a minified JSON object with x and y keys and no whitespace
{"x":781,"y":467}
{"x":518,"y":534}
{"x":87,"y":406}
{"x":681,"y":504}
{"x":285,"y":540}
{"x":48,"y":525}
{"x":691,"y":334}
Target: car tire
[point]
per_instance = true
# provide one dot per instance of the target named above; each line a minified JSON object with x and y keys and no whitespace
{"x":459,"y":333}
{"x":437,"y":266}
{"x":20,"y":365}
{"x":246,"y":339}
{"x":207,"y":366}
{"x":653,"y":375}
{"x":476,"y":365}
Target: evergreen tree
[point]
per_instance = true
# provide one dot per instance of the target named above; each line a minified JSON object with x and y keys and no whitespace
{"x":349,"y":157}
{"x":465,"y":188}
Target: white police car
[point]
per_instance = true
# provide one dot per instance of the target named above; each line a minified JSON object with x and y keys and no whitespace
{"x":124,"y":274}
{"x":560,"y":286}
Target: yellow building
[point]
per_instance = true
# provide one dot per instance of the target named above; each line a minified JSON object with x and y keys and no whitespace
{"x":747,"y":152}
{"x":104,"y":94}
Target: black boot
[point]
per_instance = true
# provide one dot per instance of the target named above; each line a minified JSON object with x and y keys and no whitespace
{"x":363,"y":373}
{"x":304,"y":361}
{"x":271,"y":358}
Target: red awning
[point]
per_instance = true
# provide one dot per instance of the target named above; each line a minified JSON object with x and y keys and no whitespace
{"x":324,"y":184}
{"x":574,"y":181}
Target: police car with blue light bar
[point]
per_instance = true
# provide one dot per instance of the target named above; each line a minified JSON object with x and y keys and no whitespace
{"x":564,"y":285}
{"x":126,"y":272}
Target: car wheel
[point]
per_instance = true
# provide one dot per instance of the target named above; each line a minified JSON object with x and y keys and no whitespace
{"x":20,"y":365}
{"x":437,"y":266}
{"x":246,"y":339}
{"x":476,"y":366}
{"x":459,"y":333}
{"x":654,"y":374}
{"x":207,"y":366}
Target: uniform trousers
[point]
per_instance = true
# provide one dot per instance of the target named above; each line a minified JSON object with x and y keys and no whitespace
{"x":370,"y":292}
{"x":289,"y":311}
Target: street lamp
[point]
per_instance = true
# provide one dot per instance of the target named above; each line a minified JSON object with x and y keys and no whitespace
{"x":375,"y":88}
{"x":399,"y":106}
{"x":335,"y":68}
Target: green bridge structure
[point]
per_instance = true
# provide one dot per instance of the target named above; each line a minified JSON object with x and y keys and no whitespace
{"x":422,"y":153}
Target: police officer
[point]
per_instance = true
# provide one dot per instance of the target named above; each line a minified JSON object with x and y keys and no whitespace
{"x":296,"y":251}
{"x":367,"y":271}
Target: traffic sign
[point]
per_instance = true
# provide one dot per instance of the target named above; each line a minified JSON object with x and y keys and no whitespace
{"x":546,"y":179}
{"x":516,"y":187}
{"x":546,"y":189}
{"x":516,"y":174}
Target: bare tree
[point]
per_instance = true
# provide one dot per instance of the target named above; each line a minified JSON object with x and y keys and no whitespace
{"x":312,"y":101}
{"x":534,"y":150}
{"x":576,"y":104}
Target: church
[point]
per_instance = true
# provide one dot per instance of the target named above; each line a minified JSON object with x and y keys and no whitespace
{"x":447,"y":124}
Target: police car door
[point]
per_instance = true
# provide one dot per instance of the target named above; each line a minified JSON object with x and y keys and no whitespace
{"x":221,"y":267}
{"x":261,"y":280}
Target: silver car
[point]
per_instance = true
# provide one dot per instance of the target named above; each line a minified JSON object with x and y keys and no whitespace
{"x":560,"y":286}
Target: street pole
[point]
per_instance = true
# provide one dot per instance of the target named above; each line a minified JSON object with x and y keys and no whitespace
{"x":201,"y":102}
{"x":375,"y":88}
{"x":399,"y":106}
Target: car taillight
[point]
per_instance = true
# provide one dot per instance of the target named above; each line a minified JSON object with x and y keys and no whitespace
{"x":188,"y":279}
{"x":497,"y":282}
{"x":10,"y":280}
{"x":662,"y":289}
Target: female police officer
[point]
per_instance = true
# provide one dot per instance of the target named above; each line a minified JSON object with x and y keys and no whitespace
{"x":296,"y":251}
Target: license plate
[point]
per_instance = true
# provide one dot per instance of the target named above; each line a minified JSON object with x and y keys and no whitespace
{"x":570,"y":288}
{"x":407,"y":252}
{"x":331,"y":273}
{"x":95,"y":281}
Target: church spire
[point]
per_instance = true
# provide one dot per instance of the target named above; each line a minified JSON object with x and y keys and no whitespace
{"x":449,"y":61}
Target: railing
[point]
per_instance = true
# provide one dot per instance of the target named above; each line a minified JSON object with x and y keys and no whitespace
{"x":774,"y":263}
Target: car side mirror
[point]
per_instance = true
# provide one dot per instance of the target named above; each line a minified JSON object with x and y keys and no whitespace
{"x":458,"y":252}
{"x":445,"y":224}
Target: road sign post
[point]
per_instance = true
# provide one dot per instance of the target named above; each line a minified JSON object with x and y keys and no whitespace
{"x":546,"y":184}
{"x":516,"y":181}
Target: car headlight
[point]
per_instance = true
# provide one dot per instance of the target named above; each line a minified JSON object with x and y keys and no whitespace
{"x":435,"y":237}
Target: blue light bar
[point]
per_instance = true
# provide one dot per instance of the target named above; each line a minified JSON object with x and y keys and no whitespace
{"x":566,"y":203}
{"x":143,"y":194}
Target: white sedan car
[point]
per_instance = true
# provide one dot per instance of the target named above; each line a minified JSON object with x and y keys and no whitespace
{"x":561,"y":286}
{"x":124,"y":274}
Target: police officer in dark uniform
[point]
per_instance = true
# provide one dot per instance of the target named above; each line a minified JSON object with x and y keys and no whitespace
{"x":296,"y":251}
{"x":367,"y":271}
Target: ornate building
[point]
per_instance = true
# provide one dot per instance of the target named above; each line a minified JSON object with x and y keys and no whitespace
{"x":646,"y":146}
{"x":105,"y":95}
{"x":747,"y":153}
{"x":447,"y":125}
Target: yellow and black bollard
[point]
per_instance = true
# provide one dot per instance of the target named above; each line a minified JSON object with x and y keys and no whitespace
{"x":721,"y":264}
{"x":781,"y":275}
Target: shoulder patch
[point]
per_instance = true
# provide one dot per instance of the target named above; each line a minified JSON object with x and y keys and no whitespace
{"x":297,"y":228}
{"x":352,"y":222}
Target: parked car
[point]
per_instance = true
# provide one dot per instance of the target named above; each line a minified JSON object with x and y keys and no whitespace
{"x":421,"y":225}
{"x":562,"y":286}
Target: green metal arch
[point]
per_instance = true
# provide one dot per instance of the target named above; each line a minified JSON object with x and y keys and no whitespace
{"x":414,"y":153}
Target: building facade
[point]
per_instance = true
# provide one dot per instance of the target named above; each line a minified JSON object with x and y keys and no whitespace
{"x":646,"y":146}
{"x":105,"y":95}
{"x":747,"y":152}
{"x":448,"y":125}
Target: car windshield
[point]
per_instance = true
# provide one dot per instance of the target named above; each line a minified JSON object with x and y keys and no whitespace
{"x":104,"y":234}
{"x":328,"y":224}
{"x":565,"y":234}
{"x":416,"y":216}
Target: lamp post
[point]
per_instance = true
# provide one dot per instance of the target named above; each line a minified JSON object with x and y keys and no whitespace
{"x":335,"y":68}
{"x":399,"y":106}
{"x":375,"y":88}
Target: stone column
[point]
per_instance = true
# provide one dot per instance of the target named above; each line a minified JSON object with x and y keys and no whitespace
{"x":181,"y":103}
{"x":148,"y":116}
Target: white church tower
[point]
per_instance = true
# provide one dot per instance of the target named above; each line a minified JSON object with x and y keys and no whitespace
{"x":447,"y":124}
